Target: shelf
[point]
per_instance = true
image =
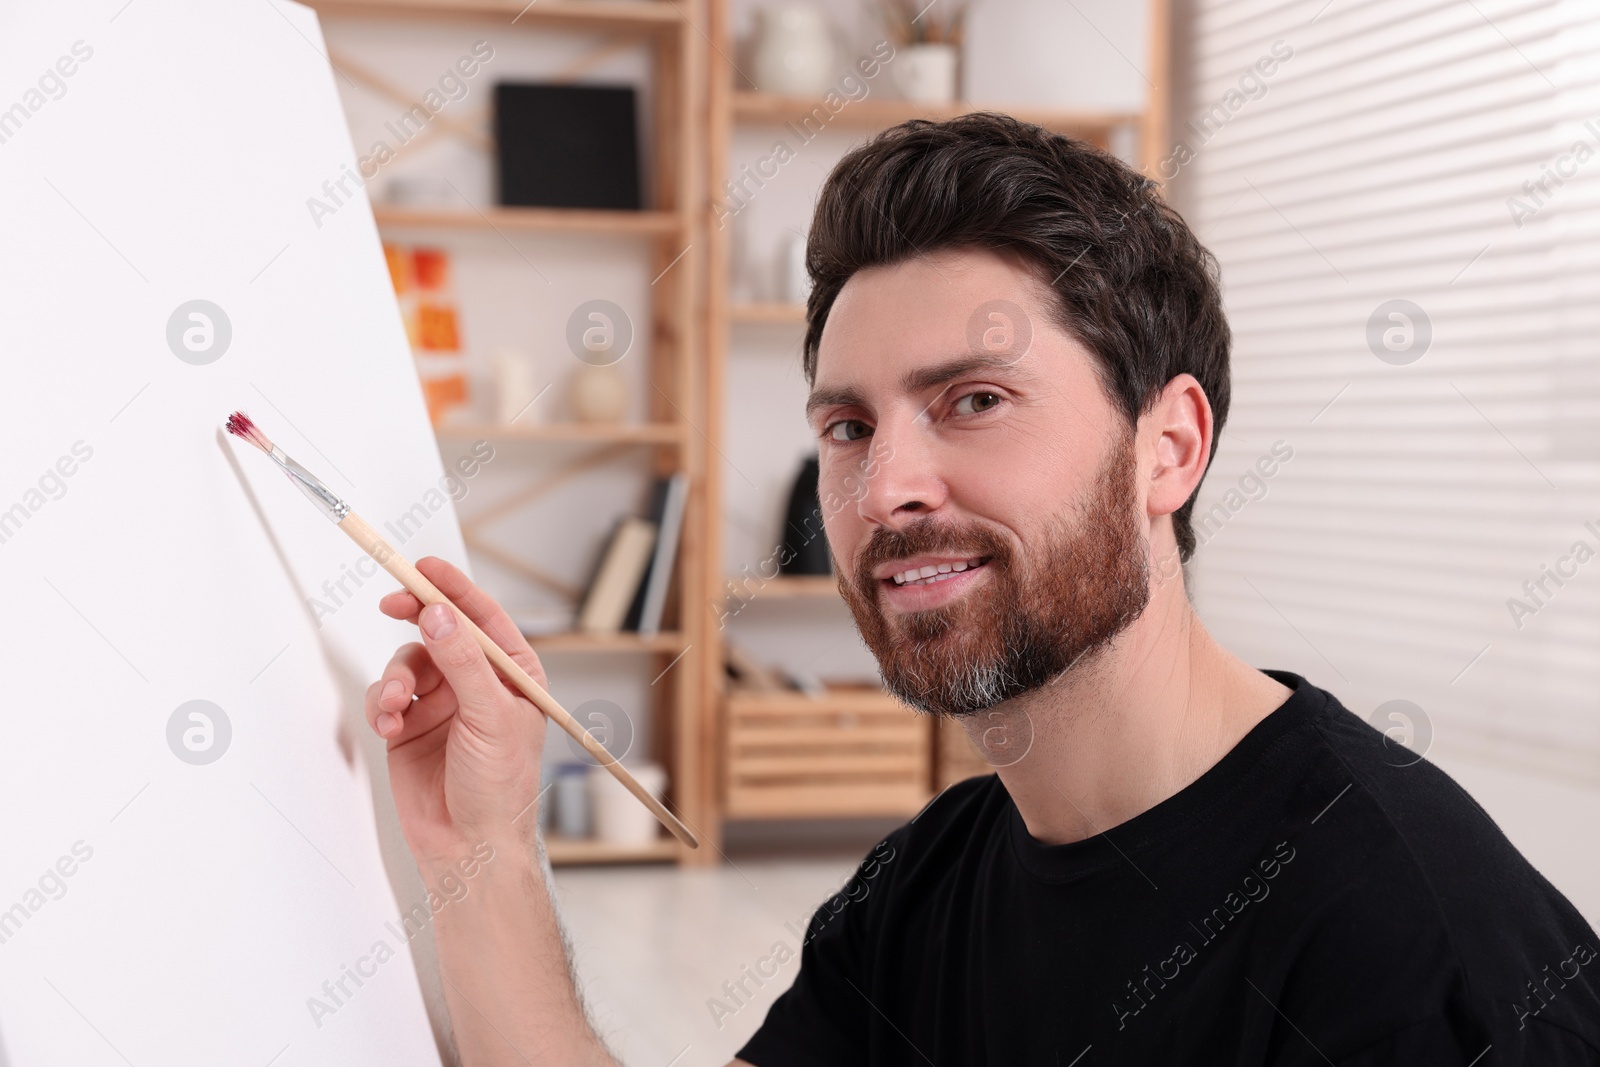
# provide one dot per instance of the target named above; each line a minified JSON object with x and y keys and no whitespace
{"x":672,"y":37}
{"x":535,"y":219}
{"x":600,"y":433}
{"x":840,"y":697}
{"x":616,"y":14}
{"x":781,"y":313}
{"x":575,"y":641}
{"x":809,"y":586}
{"x":572,"y":851}
{"x":873,"y":113}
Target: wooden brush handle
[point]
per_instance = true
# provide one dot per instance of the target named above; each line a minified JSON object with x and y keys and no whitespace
{"x":415,"y":581}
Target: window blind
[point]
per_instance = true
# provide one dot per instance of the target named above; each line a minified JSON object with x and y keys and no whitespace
{"x":1406,"y":209}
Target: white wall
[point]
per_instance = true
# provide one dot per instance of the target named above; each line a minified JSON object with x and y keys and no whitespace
{"x":1415,"y":504}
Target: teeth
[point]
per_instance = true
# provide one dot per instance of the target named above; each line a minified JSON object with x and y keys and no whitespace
{"x":933,"y":573}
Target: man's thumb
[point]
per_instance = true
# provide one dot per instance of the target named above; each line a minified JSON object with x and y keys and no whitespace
{"x":456,"y":653}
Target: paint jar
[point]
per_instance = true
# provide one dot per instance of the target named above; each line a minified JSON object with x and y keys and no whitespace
{"x":619,"y":818}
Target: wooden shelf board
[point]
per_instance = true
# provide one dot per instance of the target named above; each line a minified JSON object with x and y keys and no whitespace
{"x":544,"y":219}
{"x":873,"y":113}
{"x":569,"y":851}
{"x":839,"y":698}
{"x":619,"y":642}
{"x":811,"y":586}
{"x":602,"y":433}
{"x":768,"y":313}
{"x":618,"y":14}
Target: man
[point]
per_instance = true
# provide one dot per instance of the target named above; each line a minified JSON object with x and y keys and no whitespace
{"x":1019,"y":365}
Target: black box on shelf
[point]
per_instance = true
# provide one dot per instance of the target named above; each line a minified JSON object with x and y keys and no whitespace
{"x":566,"y":145}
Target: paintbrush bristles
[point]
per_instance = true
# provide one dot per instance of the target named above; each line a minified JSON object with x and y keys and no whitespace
{"x":239,"y":425}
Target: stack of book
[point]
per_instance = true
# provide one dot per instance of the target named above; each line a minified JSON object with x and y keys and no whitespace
{"x":629,"y":588}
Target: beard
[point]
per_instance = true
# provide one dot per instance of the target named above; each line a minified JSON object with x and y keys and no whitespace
{"x":1028,"y":621}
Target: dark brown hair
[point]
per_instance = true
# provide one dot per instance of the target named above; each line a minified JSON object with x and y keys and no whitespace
{"x":1131,"y":282}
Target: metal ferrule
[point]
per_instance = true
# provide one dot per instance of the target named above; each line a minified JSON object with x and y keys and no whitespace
{"x":319,"y":494}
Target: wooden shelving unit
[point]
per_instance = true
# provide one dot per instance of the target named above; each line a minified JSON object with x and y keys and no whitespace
{"x":540,"y":219}
{"x":666,"y":230}
{"x":810,"y":587}
{"x":768,"y":313}
{"x":874,"y":113}
{"x":712,"y":738}
{"x":808,"y":790}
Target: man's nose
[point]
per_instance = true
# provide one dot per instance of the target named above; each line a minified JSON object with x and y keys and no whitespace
{"x":902,"y":480}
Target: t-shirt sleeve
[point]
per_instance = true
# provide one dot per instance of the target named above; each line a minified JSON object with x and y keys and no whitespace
{"x":823,"y":1017}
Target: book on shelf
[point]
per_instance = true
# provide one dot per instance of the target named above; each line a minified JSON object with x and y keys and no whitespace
{"x":544,"y":619}
{"x":622,"y":565}
{"x":668,"y":498}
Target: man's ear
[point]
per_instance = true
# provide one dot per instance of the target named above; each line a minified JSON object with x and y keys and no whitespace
{"x":1175,"y":436}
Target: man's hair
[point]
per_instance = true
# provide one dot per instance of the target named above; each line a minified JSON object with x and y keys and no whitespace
{"x":1131,"y":282}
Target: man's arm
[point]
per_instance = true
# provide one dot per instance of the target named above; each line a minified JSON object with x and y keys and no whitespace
{"x":508,"y":981}
{"x":464,"y":754}
{"x":507,"y":975}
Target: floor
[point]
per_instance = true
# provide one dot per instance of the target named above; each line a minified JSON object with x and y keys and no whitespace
{"x":655,"y":945}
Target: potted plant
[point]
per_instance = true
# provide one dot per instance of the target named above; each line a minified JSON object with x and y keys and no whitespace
{"x":927,"y":38}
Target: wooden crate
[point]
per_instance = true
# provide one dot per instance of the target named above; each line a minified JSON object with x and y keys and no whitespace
{"x":858,"y":751}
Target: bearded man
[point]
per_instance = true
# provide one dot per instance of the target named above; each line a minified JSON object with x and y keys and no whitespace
{"x":1018,"y":363}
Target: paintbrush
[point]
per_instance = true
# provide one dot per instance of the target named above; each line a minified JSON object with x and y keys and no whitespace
{"x":414,"y":580}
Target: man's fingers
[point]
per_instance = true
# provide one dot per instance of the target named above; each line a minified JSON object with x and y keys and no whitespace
{"x":474,"y":603}
{"x":400,"y":605}
{"x":411,"y":672}
{"x":482,"y":609}
{"x":414,"y":669}
{"x":455,"y":652}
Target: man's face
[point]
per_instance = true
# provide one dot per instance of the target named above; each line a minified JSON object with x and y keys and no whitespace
{"x":960,"y":429}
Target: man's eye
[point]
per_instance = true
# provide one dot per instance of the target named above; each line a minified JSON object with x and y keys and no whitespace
{"x":991,"y":398}
{"x":833,"y":430}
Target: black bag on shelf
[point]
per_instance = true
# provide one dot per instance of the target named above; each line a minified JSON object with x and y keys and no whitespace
{"x":803,"y":533}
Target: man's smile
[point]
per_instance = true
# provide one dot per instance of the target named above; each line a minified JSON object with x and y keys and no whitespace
{"x":933,"y":585}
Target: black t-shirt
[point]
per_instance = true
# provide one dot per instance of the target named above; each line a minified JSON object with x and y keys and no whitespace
{"x":1309,"y":900}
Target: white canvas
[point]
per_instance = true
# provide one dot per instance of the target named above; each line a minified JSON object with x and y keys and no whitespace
{"x":148,"y":561}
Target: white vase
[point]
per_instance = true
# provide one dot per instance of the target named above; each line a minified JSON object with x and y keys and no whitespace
{"x":794,"y":283}
{"x":926,"y":73}
{"x":794,"y":54}
{"x":515,"y":387}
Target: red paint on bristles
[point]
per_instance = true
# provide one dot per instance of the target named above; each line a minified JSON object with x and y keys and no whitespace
{"x":239,"y":425}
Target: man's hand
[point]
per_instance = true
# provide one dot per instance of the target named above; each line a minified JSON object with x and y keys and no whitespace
{"x":464,"y":768}
{"x":464,"y":755}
